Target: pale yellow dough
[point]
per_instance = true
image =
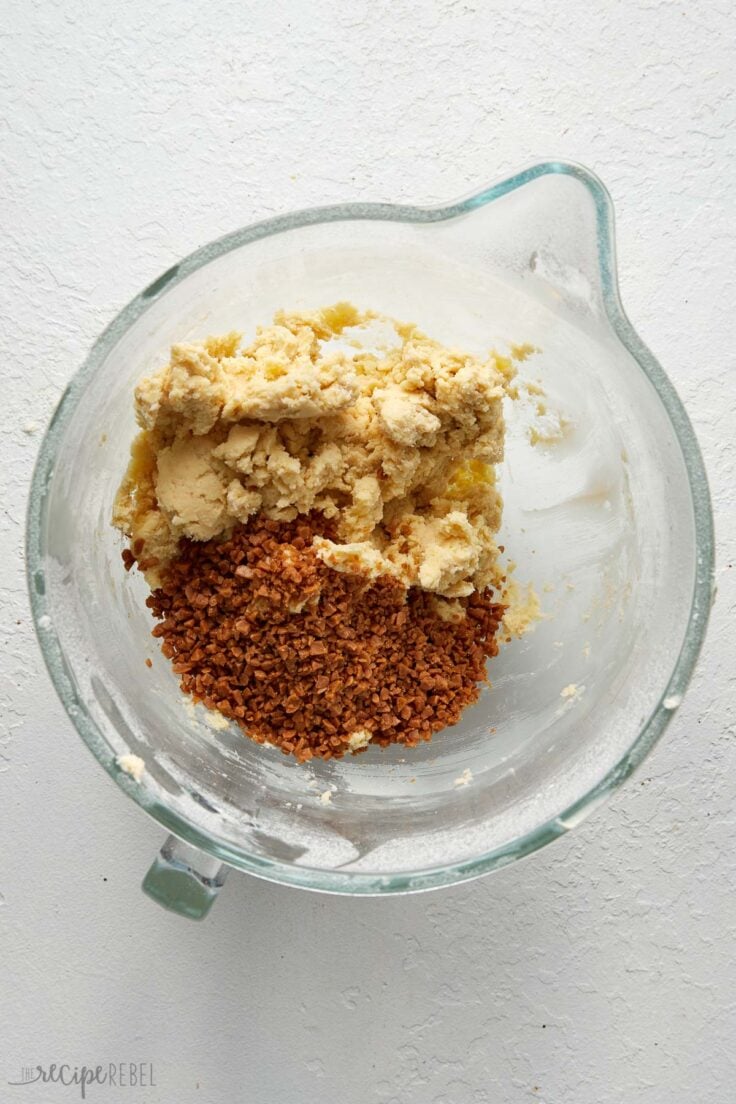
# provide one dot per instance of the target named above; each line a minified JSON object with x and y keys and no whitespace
{"x":398,"y":445}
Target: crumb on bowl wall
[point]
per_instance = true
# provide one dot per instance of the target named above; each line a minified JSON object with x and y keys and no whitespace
{"x":216,"y":720}
{"x":523,"y":609}
{"x":132,"y":765}
{"x":359,"y":739}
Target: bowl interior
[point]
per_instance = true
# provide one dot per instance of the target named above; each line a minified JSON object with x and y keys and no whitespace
{"x":597,"y":517}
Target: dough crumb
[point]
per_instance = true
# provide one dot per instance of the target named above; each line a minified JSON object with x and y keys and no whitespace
{"x":464,"y":779}
{"x":216,"y":720}
{"x":132,"y":765}
{"x":325,"y":797}
{"x":554,"y":429}
{"x":210,"y":717}
{"x":572,"y":692}
{"x":523,"y":609}
{"x":359,"y":739}
{"x":533,"y":388}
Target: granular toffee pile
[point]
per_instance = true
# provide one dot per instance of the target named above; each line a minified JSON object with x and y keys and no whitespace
{"x":312,"y":660}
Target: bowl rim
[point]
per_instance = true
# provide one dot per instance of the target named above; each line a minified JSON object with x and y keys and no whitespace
{"x":356,"y":882}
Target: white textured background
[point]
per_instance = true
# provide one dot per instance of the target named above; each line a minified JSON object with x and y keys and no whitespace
{"x":601,"y":970}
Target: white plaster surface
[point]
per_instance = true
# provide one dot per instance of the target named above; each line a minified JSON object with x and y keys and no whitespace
{"x":599,"y":971}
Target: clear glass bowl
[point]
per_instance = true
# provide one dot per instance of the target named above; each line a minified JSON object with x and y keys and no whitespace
{"x":611,"y":523}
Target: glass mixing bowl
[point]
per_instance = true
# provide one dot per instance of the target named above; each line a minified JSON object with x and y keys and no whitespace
{"x":607,"y":515}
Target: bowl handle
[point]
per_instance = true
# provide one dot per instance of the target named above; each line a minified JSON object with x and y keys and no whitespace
{"x":184,"y":879}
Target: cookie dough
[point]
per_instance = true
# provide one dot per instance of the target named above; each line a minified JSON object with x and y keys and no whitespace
{"x":398,"y":444}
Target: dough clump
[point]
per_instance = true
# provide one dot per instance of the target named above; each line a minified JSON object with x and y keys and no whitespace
{"x":398,"y":443}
